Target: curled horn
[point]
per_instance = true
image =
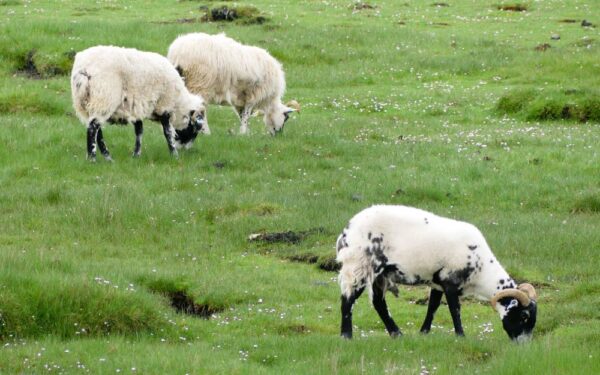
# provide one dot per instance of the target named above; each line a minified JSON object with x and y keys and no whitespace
{"x":294,"y":105}
{"x":529,"y":290}
{"x":519,"y":295}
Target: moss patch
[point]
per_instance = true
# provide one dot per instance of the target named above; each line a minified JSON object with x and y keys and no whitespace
{"x":246,"y":15}
{"x":290,"y":237}
{"x":37,"y":66}
{"x":574,"y":104}
{"x":589,"y":203}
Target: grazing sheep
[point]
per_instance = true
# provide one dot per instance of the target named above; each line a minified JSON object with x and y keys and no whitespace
{"x":387,"y":245}
{"x":226,"y":72}
{"x":124,"y":85}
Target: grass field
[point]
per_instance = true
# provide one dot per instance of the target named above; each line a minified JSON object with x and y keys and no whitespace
{"x":462,"y":109}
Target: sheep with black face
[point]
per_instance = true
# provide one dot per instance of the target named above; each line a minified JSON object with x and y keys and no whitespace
{"x":383,"y":246}
{"x":124,"y":85}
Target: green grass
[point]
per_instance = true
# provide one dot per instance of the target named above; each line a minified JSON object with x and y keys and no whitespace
{"x":448,"y":108}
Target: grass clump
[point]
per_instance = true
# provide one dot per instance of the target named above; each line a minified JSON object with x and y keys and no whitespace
{"x":572,"y":105}
{"x":181,"y":299}
{"x":31,"y":103}
{"x":37,"y":66}
{"x":246,"y":15}
{"x":9,"y":2}
{"x":73,"y":308}
{"x":589,"y":203}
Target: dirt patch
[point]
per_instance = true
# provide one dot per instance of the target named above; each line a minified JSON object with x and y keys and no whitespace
{"x":289,"y":236}
{"x":303,"y":258}
{"x":542,"y":47}
{"x":567,"y":20}
{"x":513,"y":7}
{"x":246,"y":15}
{"x":440,"y":5}
{"x":28,"y":67}
{"x":184,"y":303}
{"x":329,"y":264}
{"x":294,"y":329}
{"x":219,"y":164}
{"x":362,"y":5}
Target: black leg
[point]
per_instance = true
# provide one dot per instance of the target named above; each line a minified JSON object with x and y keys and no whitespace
{"x":92,"y":133}
{"x":102,"y":145}
{"x":452,"y":295}
{"x":347,"y":303}
{"x":167,"y":131}
{"x":381,"y":308}
{"x":139,"y":130}
{"x":435,"y":298}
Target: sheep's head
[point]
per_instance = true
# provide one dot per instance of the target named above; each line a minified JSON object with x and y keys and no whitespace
{"x":194,"y":120}
{"x":518,"y":311}
{"x":276,"y":117}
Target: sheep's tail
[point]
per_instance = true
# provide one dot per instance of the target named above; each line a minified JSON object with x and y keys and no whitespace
{"x":356,"y":272}
{"x":80,"y":90}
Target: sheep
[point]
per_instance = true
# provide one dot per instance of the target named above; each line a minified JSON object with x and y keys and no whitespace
{"x":385,"y":245}
{"x":226,"y":72}
{"x":124,"y":85}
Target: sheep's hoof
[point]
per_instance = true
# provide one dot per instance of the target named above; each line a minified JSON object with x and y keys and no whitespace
{"x":395,"y":334}
{"x":175,"y":154}
{"x":91,"y":159}
{"x":424,"y":331}
{"x":109,"y":159}
{"x":136,"y":154}
{"x":346,"y":335}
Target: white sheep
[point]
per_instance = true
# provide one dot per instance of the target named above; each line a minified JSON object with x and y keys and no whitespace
{"x":387,"y":245}
{"x":226,"y":72}
{"x":124,"y":85}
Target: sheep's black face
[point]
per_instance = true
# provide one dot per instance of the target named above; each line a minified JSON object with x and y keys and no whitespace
{"x":185,"y":137}
{"x":519,"y":320}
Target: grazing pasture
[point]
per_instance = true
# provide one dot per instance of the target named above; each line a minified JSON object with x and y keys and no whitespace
{"x":484,"y":111}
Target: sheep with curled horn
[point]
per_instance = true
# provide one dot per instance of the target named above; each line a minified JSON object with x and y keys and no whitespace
{"x":383,"y":246}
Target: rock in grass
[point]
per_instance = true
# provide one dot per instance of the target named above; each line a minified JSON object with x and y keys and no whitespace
{"x":586,"y":23}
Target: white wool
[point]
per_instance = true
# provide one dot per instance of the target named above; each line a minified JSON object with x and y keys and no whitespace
{"x":226,"y":72}
{"x":419,"y":243}
{"x":126,"y":84}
